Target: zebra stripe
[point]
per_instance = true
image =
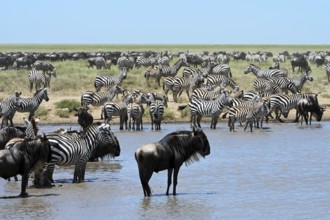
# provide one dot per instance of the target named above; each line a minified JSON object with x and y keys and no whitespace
{"x":327,"y":71}
{"x":301,"y":80}
{"x":109,"y":81}
{"x":222,"y":69}
{"x":217,"y":80}
{"x":156,"y":111}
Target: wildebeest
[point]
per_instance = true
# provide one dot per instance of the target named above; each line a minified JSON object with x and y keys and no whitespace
{"x":8,"y":133}
{"x":307,"y":108}
{"x":300,"y":62}
{"x":170,"y":153}
{"x":22,"y":158}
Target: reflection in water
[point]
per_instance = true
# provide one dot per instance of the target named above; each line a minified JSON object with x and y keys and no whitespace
{"x":280,"y":172}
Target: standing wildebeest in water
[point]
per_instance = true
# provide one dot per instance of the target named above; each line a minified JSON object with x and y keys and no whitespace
{"x":170,"y":153}
{"x":22,"y":158}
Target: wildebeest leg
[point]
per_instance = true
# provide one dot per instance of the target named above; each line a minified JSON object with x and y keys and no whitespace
{"x":145,"y":176}
{"x":169,"y":179}
{"x":175,"y":179}
{"x":25,"y":178}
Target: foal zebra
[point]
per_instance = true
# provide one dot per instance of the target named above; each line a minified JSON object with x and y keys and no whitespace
{"x":99,"y":98}
{"x":266,"y":73}
{"x":110,"y":81}
{"x":68,"y":149}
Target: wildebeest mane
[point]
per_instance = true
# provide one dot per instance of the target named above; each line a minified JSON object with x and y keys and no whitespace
{"x":181,"y":144}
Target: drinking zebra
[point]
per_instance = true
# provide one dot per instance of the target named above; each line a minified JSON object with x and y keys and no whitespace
{"x":213,"y":108}
{"x":282,"y":103}
{"x":9,"y":107}
{"x":100,"y":98}
{"x":266,"y":73}
{"x":110,"y":81}
{"x":68,"y":149}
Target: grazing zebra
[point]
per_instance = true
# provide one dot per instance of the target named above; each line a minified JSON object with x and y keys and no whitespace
{"x":282,"y":103}
{"x":222,"y":69}
{"x":38,"y":78}
{"x":68,"y":149}
{"x":213,"y":108}
{"x":156,"y":111}
{"x":100,"y":98}
{"x":111,"y":109}
{"x":171,"y":70}
{"x":248,"y":113}
{"x":9,"y":107}
{"x":32,"y":104}
{"x":301,"y":80}
{"x":217,"y":80}
{"x":110,"y":81}
{"x":327,"y":71}
{"x":266,"y":73}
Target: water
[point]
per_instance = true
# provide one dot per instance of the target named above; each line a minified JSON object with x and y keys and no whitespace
{"x":280,"y":172}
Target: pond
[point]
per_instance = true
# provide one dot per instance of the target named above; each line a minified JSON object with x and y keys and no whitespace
{"x":281,"y":171}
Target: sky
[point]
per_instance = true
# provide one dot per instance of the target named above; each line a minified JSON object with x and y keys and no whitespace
{"x":165,"y":22}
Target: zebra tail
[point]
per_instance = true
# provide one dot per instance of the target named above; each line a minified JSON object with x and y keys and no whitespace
{"x":181,"y":107}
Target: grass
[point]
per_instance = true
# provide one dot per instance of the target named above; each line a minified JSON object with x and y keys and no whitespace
{"x":74,"y":78}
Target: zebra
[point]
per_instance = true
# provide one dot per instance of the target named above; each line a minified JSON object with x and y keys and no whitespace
{"x":266,"y":73}
{"x":222,"y":69}
{"x":215,"y":80}
{"x":99,"y":98}
{"x":285,"y":84}
{"x":109,"y":81}
{"x":213,"y":108}
{"x":152,"y":72}
{"x":205,"y":94}
{"x":248,"y":113}
{"x":36,"y":77}
{"x":282,"y":103}
{"x":111,"y":109}
{"x":189,"y":84}
{"x":32,"y":104}
{"x":67,"y":149}
{"x":171,"y":70}
{"x":301,"y":80}
{"x":9,"y":107}
{"x":156,"y":111}
{"x":327,"y":71}
{"x":135,"y":112}
{"x":125,"y":62}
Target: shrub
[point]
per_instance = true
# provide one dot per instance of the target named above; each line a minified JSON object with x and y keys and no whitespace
{"x":69,"y":104}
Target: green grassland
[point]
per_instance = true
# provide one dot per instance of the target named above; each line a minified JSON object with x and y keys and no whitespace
{"x":73,"y":77}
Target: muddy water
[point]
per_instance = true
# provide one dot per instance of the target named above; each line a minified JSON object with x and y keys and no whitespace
{"x":281,"y":172}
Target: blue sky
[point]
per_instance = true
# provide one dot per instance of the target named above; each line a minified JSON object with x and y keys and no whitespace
{"x":165,"y":22}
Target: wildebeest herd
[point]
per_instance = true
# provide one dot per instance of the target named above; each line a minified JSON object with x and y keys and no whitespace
{"x":207,"y":80}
